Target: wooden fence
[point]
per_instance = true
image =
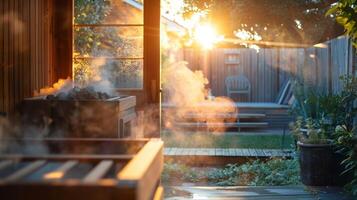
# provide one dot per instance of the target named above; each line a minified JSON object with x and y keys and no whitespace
{"x":268,"y":70}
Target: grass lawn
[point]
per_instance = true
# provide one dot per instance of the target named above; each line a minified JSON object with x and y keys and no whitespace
{"x":221,"y":140}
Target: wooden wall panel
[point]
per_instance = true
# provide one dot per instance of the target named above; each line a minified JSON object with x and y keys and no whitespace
{"x":26,"y":50}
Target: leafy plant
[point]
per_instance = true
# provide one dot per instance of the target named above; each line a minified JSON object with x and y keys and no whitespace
{"x":272,"y":172}
{"x":313,"y":116}
{"x":346,"y":14}
{"x":346,"y":142}
{"x":258,"y":173}
{"x":318,"y":114}
{"x":104,"y":42}
{"x":308,"y":131}
{"x":180,"y":172}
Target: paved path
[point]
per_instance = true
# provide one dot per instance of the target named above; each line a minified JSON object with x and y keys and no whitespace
{"x":226,"y":152}
{"x":256,"y":193}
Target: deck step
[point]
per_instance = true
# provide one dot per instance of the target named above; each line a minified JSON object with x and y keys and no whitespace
{"x":223,"y":125}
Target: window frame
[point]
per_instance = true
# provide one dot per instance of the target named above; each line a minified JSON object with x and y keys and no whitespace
{"x":63,"y":60}
{"x":107,"y":25}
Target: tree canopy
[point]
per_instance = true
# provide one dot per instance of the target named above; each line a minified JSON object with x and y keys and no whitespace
{"x":346,"y":15}
{"x":295,"y":21}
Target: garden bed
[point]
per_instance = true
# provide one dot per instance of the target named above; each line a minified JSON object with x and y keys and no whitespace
{"x":274,"y":172}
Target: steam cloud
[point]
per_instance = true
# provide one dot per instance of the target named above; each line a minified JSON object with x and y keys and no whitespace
{"x":187,"y":92}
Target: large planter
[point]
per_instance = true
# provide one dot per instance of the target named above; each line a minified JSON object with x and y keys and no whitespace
{"x":320,"y":165}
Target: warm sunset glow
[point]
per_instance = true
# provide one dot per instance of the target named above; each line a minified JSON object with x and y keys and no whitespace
{"x":206,"y":36}
{"x":60,"y":85}
{"x":54,"y":175}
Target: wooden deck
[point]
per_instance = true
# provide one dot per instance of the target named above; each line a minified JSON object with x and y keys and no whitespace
{"x":228,"y":152}
{"x":256,"y":193}
{"x":220,"y":156}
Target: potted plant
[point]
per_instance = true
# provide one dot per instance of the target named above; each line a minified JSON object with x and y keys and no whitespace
{"x":317,"y":116}
{"x":316,"y":157}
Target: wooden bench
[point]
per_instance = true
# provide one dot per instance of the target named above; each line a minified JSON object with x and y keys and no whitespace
{"x":83,"y":169}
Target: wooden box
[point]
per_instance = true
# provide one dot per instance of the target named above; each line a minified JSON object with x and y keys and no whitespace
{"x":75,"y":169}
{"x":110,"y":118}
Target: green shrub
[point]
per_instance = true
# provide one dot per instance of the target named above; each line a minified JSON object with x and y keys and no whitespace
{"x":180,"y":172}
{"x":346,"y":142}
{"x":274,"y":172}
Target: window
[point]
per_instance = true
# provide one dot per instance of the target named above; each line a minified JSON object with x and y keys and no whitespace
{"x":108,"y":42}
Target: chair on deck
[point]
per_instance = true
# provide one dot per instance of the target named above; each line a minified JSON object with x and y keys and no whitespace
{"x":239,"y":85}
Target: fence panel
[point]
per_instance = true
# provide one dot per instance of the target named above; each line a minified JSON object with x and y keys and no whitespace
{"x":270,"y":68}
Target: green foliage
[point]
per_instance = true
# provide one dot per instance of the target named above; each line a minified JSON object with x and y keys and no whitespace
{"x":108,"y":42}
{"x":346,"y":142}
{"x":309,"y":132}
{"x":181,"y":172}
{"x":275,"y":172}
{"x":345,"y":12}
{"x":345,"y":135}
{"x":274,"y":20}
{"x":90,"y":11}
{"x":329,"y":116}
{"x":320,"y":113}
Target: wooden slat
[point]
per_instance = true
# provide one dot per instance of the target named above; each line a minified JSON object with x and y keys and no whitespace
{"x":2,"y":96}
{"x":6,"y":61}
{"x":140,"y":175}
{"x":25,"y":50}
{"x":219,"y":152}
{"x":15,"y":67}
{"x":231,"y":152}
{"x":260,"y":152}
{"x":173,"y":151}
{"x":252,"y":152}
{"x":167,"y":151}
{"x":25,"y":171}
{"x":98,"y":172}
{"x":186,"y":151}
{"x":239,"y":152}
{"x":60,"y":172}
{"x":192,"y":151}
{"x":159,"y":193}
{"x":6,"y":163}
{"x":87,"y":157}
{"x":27,"y":53}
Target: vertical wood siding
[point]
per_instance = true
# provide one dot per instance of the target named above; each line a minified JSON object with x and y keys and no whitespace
{"x":25,"y":50}
{"x":270,"y":68}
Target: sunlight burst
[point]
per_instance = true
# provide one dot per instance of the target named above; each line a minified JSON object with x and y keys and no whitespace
{"x":206,"y":36}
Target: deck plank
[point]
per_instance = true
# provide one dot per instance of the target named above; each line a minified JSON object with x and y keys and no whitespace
{"x":232,"y":152}
{"x":173,"y":151}
{"x":227,"y":152}
{"x":219,"y":152}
